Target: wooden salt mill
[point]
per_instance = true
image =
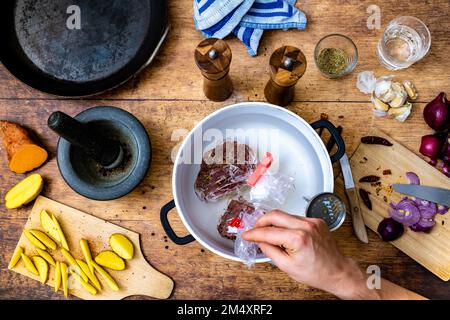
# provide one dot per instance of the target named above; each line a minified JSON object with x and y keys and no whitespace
{"x":287,"y":66}
{"x":213,"y":57}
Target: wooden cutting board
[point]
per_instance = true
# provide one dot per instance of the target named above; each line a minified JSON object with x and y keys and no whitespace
{"x":430,"y":250}
{"x":139,"y":278}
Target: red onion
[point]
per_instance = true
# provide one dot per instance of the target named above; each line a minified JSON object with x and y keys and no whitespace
{"x":405,"y":212}
{"x":433,"y":162}
{"x":441,"y":209}
{"x":446,"y":169}
{"x":437,"y":113}
{"x":419,"y":228}
{"x":390,"y":230}
{"x":431,"y":146}
{"x":413,"y":178}
{"x":446,"y":149}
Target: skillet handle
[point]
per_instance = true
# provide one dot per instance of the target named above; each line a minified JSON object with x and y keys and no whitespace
{"x":168,"y":229}
{"x":335,"y":135}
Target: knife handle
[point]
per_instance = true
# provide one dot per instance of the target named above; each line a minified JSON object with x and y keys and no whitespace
{"x":358,"y":220}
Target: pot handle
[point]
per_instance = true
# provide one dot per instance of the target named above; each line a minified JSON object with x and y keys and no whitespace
{"x":335,"y":135}
{"x":168,"y":229}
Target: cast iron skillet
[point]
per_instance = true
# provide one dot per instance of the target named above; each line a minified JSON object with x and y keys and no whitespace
{"x":41,"y":45}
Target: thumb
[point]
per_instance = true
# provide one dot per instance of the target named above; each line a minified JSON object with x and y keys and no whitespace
{"x":274,"y":253}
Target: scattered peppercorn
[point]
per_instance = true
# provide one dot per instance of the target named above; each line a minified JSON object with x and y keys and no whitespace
{"x":387,"y":172}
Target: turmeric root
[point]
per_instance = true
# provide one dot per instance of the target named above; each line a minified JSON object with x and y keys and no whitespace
{"x":23,"y":153}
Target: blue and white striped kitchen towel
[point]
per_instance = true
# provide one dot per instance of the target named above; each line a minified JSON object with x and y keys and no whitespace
{"x":246,"y":19}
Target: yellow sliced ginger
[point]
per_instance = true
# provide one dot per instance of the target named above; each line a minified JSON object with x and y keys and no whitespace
{"x":109,"y":280}
{"x":29,"y":265}
{"x":24,"y":192}
{"x":92,"y":277}
{"x":64,"y":278}
{"x":74,"y":264}
{"x":45,"y":239}
{"x":34,"y":240}
{"x":49,"y":226}
{"x":47,"y":257}
{"x":62,"y":237}
{"x":57,"y":276}
{"x":42,"y":267}
{"x":89,"y":288}
{"x":121,"y":245}
{"x":15,"y":257}
{"x":110,"y":260}
{"x":84,"y":244}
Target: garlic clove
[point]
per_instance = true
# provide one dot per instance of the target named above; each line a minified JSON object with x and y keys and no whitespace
{"x":388,"y":96}
{"x":398,"y":101}
{"x":410,"y":89}
{"x":399,"y":111}
{"x":402,"y":117}
{"x":382,"y":86}
{"x":379,"y":113}
{"x":398,"y":88}
{"x":379,"y":105}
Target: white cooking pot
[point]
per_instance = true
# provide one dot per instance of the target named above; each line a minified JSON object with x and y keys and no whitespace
{"x":297,"y":149}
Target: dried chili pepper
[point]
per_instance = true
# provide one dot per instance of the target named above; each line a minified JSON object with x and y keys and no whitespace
{"x":365,"y":197}
{"x":376,"y":140}
{"x":371,"y":179}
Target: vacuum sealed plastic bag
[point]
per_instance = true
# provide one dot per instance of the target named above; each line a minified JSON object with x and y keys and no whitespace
{"x":224,"y":171}
{"x":269,"y":192}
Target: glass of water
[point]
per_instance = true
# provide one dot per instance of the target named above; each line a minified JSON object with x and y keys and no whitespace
{"x":405,"y":41}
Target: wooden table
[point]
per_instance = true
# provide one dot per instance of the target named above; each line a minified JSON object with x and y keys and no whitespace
{"x":167,"y":97}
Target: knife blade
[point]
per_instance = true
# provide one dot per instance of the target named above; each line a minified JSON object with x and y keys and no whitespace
{"x":436,"y":195}
{"x":357,"y":218}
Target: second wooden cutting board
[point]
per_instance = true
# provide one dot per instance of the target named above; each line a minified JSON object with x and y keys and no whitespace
{"x":430,"y":250}
{"x":139,"y":277}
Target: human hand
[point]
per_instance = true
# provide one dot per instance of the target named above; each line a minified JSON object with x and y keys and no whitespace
{"x":305,"y":249}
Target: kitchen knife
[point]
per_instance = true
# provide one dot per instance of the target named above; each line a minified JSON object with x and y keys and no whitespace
{"x":436,"y":195}
{"x":357,"y":218}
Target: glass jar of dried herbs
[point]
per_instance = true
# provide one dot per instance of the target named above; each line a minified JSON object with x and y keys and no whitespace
{"x":336,"y":56}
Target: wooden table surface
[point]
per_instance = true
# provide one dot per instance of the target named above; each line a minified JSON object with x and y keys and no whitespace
{"x":167,"y":97}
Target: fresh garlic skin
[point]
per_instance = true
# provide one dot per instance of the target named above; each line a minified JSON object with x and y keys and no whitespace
{"x":389,"y":97}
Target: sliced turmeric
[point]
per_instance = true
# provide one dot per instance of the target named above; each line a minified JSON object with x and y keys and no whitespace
{"x":23,"y":153}
{"x":24,"y":192}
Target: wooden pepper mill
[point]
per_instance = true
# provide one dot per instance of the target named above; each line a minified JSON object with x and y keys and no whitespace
{"x":213,"y":57}
{"x":287,"y":66}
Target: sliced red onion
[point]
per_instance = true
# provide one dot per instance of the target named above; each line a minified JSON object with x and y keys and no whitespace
{"x":419,"y":228}
{"x":428,"y":212}
{"x":405,"y":212}
{"x":441,"y":209}
{"x":413,"y":178}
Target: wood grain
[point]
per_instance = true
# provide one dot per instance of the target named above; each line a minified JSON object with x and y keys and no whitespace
{"x":429,"y":249}
{"x":168,"y":98}
{"x":173,"y":74}
{"x":138,"y":277}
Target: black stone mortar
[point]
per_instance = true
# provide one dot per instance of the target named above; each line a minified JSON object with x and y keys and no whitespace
{"x":89,"y":178}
